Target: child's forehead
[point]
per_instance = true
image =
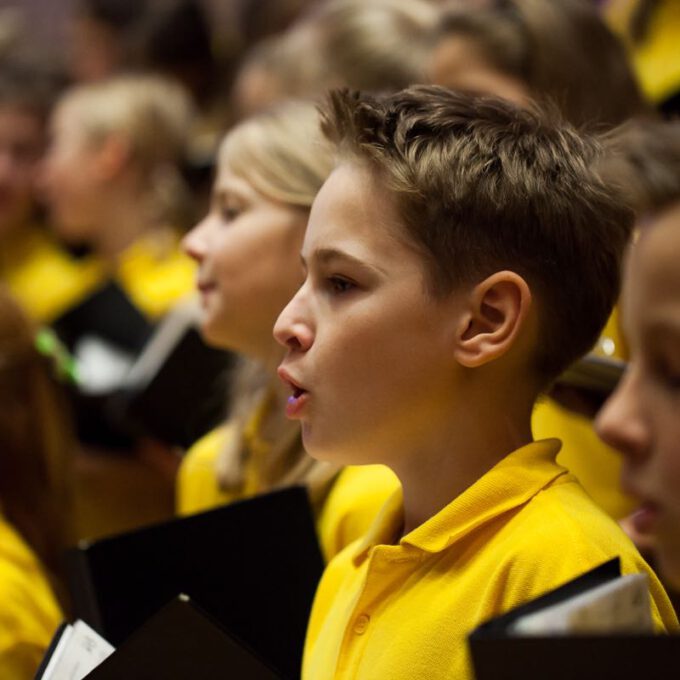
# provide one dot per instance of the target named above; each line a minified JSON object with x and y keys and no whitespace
{"x":652,"y":278}
{"x":353,"y":204}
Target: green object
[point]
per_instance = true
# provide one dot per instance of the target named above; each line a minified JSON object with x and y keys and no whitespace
{"x":49,"y":345}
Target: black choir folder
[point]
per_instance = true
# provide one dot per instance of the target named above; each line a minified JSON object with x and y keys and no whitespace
{"x":512,"y":646}
{"x":180,"y":642}
{"x":253,"y":566}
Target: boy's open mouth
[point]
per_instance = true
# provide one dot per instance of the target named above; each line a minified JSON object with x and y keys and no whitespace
{"x":298,"y":397}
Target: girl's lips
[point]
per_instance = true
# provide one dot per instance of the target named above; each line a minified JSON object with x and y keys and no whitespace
{"x":204,"y":286}
{"x":645,"y":518}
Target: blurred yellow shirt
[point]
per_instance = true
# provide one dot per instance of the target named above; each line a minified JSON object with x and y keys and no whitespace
{"x":29,"y":613}
{"x":596,"y":465}
{"x":45,"y":279}
{"x":155,"y":274}
{"x":656,"y":59}
{"x":402,"y":608}
{"x":356,"y":496}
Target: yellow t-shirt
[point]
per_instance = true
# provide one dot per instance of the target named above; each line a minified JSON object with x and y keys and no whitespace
{"x":44,"y":278}
{"x":356,"y":496}
{"x":385,"y":610}
{"x":29,"y":613}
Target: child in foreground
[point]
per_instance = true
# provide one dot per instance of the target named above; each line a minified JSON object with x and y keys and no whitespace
{"x":460,"y":256}
{"x":640,"y":418}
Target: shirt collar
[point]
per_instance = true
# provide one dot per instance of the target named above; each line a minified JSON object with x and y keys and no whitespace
{"x":509,"y":484}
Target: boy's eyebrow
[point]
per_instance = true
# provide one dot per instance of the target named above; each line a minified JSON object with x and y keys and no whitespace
{"x":328,"y":255}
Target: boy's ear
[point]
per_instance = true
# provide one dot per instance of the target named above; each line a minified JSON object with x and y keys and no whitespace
{"x":497,"y":309}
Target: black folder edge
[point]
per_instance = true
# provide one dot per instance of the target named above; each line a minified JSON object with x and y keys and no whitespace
{"x":51,"y":649}
{"x":499,"y":626}
{"x":183,"y":600}
{"x":87,"y":602}
{"x":498,"y":655}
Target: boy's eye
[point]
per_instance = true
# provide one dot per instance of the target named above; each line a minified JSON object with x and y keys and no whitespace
{"x":339,"y":284}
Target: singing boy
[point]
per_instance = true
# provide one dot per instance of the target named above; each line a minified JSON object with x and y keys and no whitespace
{"x":460,"y":256}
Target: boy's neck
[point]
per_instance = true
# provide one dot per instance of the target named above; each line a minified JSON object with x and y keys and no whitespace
{"x":455,"y":457}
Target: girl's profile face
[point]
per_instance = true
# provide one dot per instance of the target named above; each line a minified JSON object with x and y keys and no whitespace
{"x":641,"y":417}
{"x":71,"y":179}
{"x":247,"y":249}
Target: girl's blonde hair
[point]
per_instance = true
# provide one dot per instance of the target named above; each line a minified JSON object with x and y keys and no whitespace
{"x":281,"y":153}
{"x":154,"y":116}
{"x":284,"y":156}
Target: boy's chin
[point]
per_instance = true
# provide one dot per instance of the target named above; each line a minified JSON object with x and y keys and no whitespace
{"x":341,"y":453}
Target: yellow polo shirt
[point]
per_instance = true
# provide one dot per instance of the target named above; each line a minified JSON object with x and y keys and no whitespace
{"x":596,"y":465}
{"x":29,"y":613}
{"x":155,"y":273}
{"x":44,"y":278}
{"x":403,"y":609}
{"x":354,"y":500}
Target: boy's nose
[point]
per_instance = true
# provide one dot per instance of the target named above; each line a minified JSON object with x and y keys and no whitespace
{"x":620,"y":423}
{"x":291,"y":329}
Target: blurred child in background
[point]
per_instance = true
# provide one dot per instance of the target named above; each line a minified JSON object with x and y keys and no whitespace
{"x":338,"y":42}
{"x":36,"y":447}
{"x":113,"y":188}
{"x":559,"y":51}
{"x":112,"y":184}
{"x":247,"y":249}
{"x":44,"y":279}
{"x":640,"y":419}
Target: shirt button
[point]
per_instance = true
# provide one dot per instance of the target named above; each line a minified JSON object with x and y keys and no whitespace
{"x":361,"y":624}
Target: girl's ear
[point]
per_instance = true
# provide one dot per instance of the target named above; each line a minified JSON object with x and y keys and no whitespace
{"x":113,"y":155}
{"x":498,"y":308}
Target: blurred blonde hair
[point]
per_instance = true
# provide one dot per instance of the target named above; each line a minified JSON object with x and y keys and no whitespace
{"x":282,"y":154}
{"x":154,"y":116}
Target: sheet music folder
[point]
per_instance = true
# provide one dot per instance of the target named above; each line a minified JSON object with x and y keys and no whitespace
{"x":181,"y":642}
{"x":498,"y":655}
{"x":253,"y":565}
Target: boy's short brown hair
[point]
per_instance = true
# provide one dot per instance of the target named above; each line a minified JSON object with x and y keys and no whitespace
{"x":483,"y":186}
